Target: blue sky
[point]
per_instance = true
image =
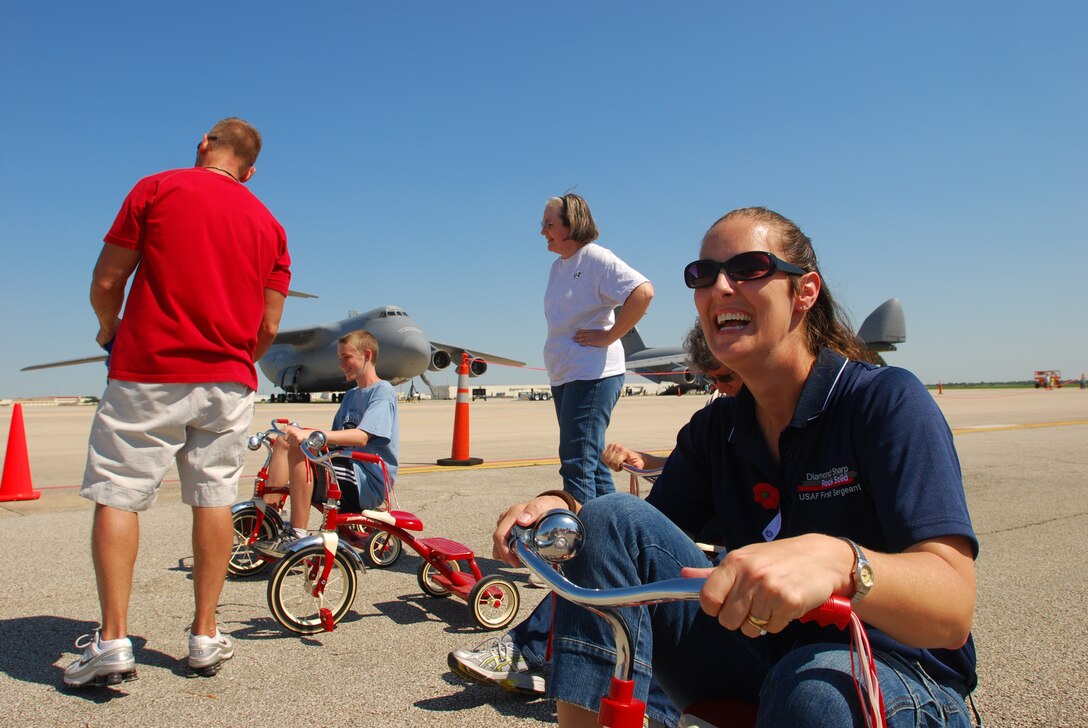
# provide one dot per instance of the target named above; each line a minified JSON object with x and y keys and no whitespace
{"x":935,"y":152}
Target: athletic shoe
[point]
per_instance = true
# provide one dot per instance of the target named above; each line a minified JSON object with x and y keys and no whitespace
{"x":277,"y":547}
{"x":498,"y":662}
{"x":536,"y":582}
{"x":207,"y":654}
{"x":100,"y":665}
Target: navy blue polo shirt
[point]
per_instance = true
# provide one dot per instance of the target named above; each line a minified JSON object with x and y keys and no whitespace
{"x":868,"y":455}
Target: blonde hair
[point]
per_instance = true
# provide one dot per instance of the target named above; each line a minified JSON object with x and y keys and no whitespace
{"x":361,"y":340}
{"x":238,"y":135}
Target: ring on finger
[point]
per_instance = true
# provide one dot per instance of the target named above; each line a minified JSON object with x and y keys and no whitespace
{"x":758,"y":623}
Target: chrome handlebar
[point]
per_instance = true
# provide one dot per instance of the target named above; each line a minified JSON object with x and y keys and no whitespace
{"x":556,"y":537}
{"x":265,"y":438}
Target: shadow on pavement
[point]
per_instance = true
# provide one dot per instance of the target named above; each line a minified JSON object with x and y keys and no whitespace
{"x":46,"y":646}
{"x":511,"y":705}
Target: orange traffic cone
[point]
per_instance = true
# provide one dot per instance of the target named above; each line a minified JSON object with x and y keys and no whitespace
{"x":460,"y":456}
{"x":15,"y":484}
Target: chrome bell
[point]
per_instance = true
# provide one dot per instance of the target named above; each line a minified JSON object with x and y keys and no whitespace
{"x":315,"y":441}
{"x":557,"y":536}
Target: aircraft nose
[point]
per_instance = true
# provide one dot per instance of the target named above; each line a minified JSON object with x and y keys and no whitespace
{"x":416,"y":349}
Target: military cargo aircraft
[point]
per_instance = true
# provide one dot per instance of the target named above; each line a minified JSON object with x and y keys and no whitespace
{"x":303,"y":361}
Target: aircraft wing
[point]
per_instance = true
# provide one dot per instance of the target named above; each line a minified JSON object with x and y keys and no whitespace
{"x":92,"y":359}
{"x":68,"y":363}
{"x":299,"y":338}
{"x":669,"y":363}
{"x":455,"y":354}
{"x":308,"y":337}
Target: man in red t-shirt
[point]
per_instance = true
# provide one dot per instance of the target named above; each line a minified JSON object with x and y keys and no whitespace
{"x":211,"y":274}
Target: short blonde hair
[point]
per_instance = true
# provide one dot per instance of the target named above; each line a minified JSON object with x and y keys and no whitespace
{"x":238,"y":135}
{"x":361,"y":340}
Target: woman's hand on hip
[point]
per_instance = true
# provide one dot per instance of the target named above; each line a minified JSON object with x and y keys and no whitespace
{"x":593,"y":337}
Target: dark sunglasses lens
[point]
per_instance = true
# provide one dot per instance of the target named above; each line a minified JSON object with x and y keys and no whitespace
{"x":749,"y":266}
{"x":701,"y":273}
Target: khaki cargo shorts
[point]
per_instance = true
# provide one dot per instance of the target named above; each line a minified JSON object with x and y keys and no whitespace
{"x":140,"y":430}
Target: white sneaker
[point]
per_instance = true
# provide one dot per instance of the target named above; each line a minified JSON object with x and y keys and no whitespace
{"x":101,"y":665}
{"x":277,"y":548}
{"x":498,"y":662}
{"x":536,"y":582}
{"x":207,"y":654}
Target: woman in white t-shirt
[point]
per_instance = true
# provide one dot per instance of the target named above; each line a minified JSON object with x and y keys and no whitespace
{"x":585,"y":363}
{"x":583,"y":353}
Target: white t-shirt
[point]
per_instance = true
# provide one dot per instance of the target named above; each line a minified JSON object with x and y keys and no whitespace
{"x":582,"y":291}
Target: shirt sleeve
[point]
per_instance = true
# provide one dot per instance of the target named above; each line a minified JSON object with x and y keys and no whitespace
{"x":910,"y":459}
{"x":127,"y":230}
{"x":618,"y":279}
{"x":377,"y":419}
{"x":280,"y":277}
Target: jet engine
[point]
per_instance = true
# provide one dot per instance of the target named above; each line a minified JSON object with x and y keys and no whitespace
{"x":477,"y":367}
{"x":440,"y":359}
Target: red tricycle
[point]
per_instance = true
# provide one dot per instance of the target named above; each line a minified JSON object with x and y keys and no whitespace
{"x":260,"y":519}
{"x":557,"y":536}
{"x":314,"y":584}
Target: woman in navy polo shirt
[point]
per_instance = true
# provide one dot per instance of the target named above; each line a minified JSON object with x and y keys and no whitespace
{"x":825,"y":476}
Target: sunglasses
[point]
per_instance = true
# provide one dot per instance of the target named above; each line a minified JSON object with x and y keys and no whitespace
{"x":750,"y":266}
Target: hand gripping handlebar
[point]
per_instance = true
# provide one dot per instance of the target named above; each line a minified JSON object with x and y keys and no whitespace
{"x":558,"y":535}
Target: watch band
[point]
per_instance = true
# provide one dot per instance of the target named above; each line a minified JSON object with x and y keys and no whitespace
{"x":862,"y":572}
{"x":566,"y":497}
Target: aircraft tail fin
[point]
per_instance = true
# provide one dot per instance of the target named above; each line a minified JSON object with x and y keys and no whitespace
{"x":632,"y":340}
{"x":884,"y":327}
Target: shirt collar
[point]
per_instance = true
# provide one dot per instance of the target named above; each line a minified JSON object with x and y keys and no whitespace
{"x":825,"y":374}
{"x":821,"y":382}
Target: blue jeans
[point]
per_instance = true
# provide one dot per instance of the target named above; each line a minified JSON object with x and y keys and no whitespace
{"x":693,"y":658}
{"x":584,"y":409}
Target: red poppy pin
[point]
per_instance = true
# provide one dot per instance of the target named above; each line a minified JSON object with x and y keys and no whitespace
{"x":766,"y":495}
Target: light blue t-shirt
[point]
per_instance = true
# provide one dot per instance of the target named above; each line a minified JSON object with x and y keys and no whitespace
{"x":374,"y":411}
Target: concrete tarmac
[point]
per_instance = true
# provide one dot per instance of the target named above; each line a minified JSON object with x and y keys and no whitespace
{"x":1024,"y":461}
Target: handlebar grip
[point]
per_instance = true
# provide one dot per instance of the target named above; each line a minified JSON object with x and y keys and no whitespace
{"x":366,"y":457}
{"x":836,"y":610}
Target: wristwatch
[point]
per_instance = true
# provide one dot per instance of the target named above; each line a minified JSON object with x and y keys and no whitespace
{"x":863,"y":572}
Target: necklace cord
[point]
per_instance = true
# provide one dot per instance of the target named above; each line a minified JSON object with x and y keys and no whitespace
{"x":224,"y":171}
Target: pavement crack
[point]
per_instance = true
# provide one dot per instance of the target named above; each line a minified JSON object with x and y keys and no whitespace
{"x":1021,"y":527}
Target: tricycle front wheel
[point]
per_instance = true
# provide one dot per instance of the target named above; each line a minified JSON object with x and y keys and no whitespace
{"x":494,"y":602}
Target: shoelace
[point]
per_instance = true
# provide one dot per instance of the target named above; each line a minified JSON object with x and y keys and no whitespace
{"x":86,"y":640}
{"x":504,"y":651}
{"x":488,"y":645}
{"x":287,"y":537}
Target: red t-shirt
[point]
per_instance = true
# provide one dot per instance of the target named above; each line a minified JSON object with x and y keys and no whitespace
{"x":209,"y":248}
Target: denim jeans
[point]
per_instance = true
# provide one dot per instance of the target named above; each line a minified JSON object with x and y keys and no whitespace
{"x":693,"y":658}
{"x":584,"y":409}
{"x":531,"y":635}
